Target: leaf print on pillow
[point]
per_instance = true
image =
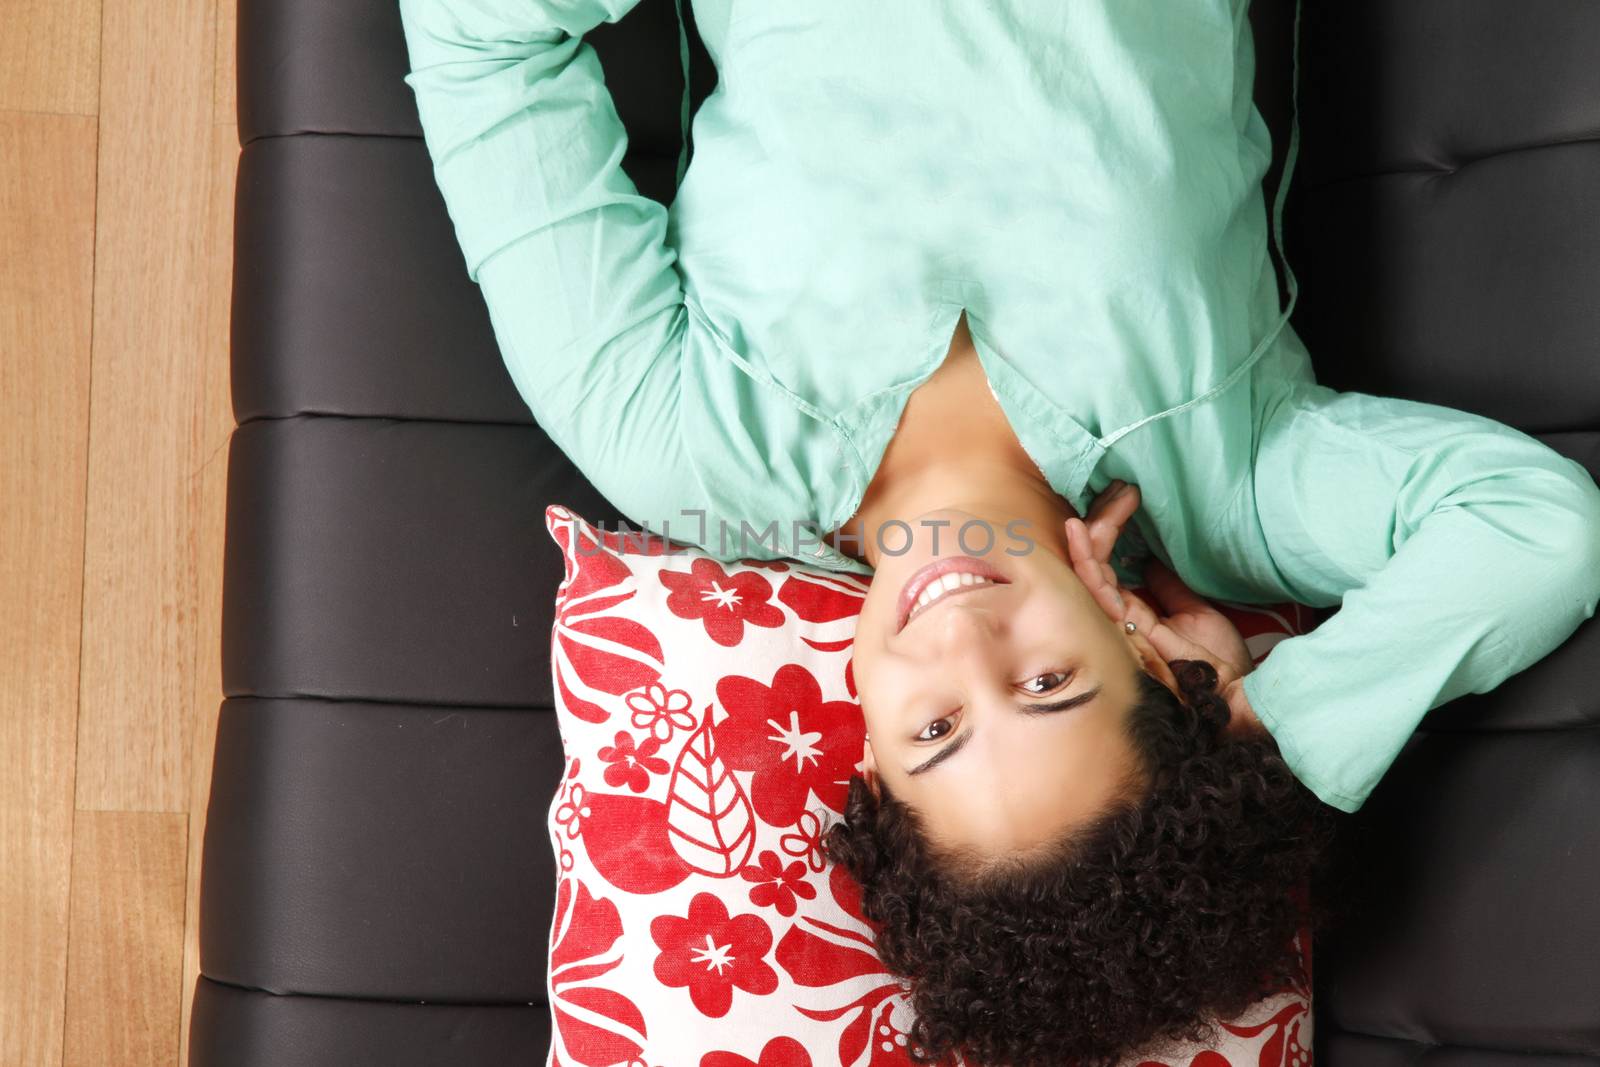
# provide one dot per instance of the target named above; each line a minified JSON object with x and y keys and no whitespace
{"x":823,"y":598}
{"x":593,"y":651}
{"x":628,"y":843}
{"x":611,"y":654}
{"x":594,"y":579}
{"x":708,"y":816}
{"x":595,"y":1026}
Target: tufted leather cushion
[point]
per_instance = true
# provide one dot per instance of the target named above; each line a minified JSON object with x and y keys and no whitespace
{"x":376,"y":888}
{"x":1447,"y":215}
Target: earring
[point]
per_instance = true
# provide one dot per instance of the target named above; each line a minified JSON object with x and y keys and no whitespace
{"x":1129,"y":626}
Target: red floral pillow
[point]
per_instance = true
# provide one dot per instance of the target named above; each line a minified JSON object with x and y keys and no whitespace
{"x":709,"y":721}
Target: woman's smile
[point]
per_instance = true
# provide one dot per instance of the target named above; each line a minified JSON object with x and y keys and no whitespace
{"x":941,"y":579}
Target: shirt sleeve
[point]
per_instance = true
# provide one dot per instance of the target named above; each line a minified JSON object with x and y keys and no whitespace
{"x":573,"y":262}
{"x":1460,"y":551}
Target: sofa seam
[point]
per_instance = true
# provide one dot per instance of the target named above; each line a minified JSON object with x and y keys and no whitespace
{"x":1592,"y":137}
{"x":416,"y":1003}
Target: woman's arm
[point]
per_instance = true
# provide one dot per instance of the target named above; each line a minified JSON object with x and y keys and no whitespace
{"x":1463,"y":551}
{"x":581,"y":286}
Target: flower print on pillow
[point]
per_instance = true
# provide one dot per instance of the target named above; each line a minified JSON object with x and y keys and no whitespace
{"x":777,"y":884}
{"x":779,"y":1052}
{"x":660,"y":710}
{"x":632,"y":764}
{"x":724,"y":602}
{"x":797,"y":743}
{"x":713,"y":953}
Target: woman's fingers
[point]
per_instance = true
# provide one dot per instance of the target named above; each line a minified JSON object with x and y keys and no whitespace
{"x":1170,"y":645}
{"x":1169,"y":589}
{"x":1079,"y":545}
{"x":1154,"y":622}
{"x":1102,"y":496}
{"x":1109,"y":513}
{"x":1095,"y":573}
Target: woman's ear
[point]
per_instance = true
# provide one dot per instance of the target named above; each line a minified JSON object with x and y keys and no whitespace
{"x":869,"y":765}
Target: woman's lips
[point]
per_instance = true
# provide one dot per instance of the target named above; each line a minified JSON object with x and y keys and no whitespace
{"x":932,"y":572}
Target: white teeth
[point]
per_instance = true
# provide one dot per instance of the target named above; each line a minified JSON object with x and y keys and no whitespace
{"x":944,"y":584}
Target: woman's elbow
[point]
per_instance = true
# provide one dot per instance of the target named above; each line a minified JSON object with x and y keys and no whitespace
{"x":1574,"y":534}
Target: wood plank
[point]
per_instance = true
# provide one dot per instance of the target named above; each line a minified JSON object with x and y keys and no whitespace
{"x":213,"y":495}
{"x":125,"y":954}
{"x":147,"y":442}
{"x":223,"y":96}
{"x":50,"y":56}
{"x":47,"y":200}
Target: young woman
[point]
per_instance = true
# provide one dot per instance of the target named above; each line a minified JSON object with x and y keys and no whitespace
{"x":975,"y":297}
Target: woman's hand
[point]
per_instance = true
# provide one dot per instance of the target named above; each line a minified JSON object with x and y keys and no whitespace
{"x":1188,"y":626}
{"x":1207,"y":634}
{"x":1182,"y":625}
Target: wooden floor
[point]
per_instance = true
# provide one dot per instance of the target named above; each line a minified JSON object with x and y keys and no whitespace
{"x":117,"y":153}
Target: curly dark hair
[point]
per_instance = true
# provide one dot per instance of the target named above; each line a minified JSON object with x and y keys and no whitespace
{"x":1174,"y":908}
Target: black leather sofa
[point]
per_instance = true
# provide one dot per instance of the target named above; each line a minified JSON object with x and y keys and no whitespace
{"x":377,"y":881}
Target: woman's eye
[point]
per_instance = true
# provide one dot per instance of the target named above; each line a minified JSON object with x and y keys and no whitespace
{"x":938,"y":728}
{"x":1040,"y":684}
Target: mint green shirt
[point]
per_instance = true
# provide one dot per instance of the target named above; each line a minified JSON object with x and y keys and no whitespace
{"x":1083,"y":178}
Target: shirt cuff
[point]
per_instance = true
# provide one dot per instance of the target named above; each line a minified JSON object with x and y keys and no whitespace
{"x":1295,"y":756}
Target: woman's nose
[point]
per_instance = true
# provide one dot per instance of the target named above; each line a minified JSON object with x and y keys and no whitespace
{"x":965,"y":632}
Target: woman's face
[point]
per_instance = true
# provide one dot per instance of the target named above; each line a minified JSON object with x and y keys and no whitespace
{"x":996,"y":709}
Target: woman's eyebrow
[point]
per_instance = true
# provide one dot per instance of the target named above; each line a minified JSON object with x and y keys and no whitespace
{"x":943,"y":754}
{"x":1060,"y":705}
{"x":1028,"y":709}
